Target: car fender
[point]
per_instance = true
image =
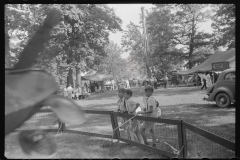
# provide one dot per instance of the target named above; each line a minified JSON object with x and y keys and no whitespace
{"x":223,"y":89}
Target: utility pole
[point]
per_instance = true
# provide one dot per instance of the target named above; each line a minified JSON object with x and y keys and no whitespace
{"x":145,"y":43}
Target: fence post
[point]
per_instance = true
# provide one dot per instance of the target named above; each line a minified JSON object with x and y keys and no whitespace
{"x":114,"y":125}
{"x":182,"y":139}
{"x":61,"y":126}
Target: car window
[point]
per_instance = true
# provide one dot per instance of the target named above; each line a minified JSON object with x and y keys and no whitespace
{"x":230,"y":76}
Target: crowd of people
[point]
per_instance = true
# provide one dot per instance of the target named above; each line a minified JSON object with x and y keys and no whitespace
{"x":206,"y":80}
{"x":80,"y":92}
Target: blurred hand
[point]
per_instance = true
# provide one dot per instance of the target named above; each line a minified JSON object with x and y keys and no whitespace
{"x":140,"y":112}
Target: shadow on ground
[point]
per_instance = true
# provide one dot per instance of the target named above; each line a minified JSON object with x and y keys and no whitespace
{"x":206,"y":116}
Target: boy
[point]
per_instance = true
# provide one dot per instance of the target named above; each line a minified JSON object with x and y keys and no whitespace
{"x":122,"y":108}
{"x":151,"y":111}
{"x":134,"y":126}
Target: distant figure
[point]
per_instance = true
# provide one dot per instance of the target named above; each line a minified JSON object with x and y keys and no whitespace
{"x":79,"y":91}
{"x":155,"y":82}
{"x":204,"y":81}
{"x":100,"y":86}
{"x":208,"y":80}
{"x":127,"y":84}
{"x":86,"y":85}
{"x":165,"y":81}
{"x":113,"y":84}
{"x":65,"y":92}
{"x":69,"y":90}
{"x":152,"y":81}
{"x":201,"y":77}
{"x":95,"y":87}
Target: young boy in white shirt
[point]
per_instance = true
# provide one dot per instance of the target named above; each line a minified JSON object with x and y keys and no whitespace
{"x":133,"y":126}
{"x":151,"y":111}
{"x":122,"y":108}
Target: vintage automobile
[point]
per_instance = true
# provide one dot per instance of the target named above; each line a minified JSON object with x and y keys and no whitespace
{"x":223,"y":91}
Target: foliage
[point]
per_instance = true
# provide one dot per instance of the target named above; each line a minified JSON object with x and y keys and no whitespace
{"x":187,"y":20}
{"x":160,"y":28}
{"x":132,"y":41}
{"x":224,"y":25}
{"x":77,"y":41}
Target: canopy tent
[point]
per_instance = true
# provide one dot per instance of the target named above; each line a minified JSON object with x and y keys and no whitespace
{"x":84,"y":79}
{"x":98,"y":77}
{"x":220,"y":56}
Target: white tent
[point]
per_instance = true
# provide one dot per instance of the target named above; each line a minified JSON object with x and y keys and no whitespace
{"x":220,"y":56}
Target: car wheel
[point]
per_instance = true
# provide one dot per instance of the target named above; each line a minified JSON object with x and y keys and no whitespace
{"x":223,"y":100}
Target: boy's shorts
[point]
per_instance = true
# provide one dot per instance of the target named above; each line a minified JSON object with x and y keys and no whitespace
{"x":134,"y":125}
{"x":148,"y":125}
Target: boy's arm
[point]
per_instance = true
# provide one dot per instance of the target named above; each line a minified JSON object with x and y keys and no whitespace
{"x":136,"y":106}
{"x":151,"y":102}
{"x":150,"y":110}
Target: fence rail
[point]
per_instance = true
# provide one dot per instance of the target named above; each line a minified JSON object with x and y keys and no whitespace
{"x":174,"y":132}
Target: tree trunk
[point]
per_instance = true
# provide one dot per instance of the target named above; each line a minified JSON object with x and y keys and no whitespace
{"x":78,"y":76}
{"x":145,"y":44}
{"x":190,"y":56}
{"x":7,"y":53}
{"x":70,"y":71}
{"x":7,"y":48}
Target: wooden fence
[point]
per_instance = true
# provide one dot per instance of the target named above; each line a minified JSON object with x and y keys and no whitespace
{"x":175,"y":127}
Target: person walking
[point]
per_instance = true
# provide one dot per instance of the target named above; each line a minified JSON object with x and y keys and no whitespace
{"x":149,"y":111}
{"x":208,"y":80}
{"x":204,"y":81}
{"x":165,"y":81}
{"x":155,"y":82}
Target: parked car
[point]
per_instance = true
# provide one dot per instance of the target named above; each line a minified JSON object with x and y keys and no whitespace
{"x":223,"y":91}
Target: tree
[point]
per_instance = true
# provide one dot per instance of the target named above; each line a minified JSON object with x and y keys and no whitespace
{"x":161,"y":31}
{"x":133,"y":42}
{"x":224,"y":25}
{"x":21,"y":21}
{"x":76,"y":42}
{"x":185,"y":20}
{"x":113,"y":63}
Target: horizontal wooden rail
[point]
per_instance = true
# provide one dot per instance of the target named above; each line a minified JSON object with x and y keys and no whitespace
{"x":88,"y":133}
{"x":97,"y":112}
{"x":86,"y":111}
{"x":151,"y":119}
{"x":212,"y":137}
{"x":46,"y":130}
{"x":223,"y":142}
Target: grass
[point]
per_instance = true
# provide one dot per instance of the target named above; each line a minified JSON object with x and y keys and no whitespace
{"x":183,"y":103}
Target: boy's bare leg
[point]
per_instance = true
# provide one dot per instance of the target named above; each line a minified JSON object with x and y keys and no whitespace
{"x":142,"y":131}
{"x":139,"y":136}
{"x":133,"y":136}
{"x":153,"y":137}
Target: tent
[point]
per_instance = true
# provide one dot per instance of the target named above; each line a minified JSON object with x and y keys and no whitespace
{"x":98,"y":77}
{"x":219,"y":56}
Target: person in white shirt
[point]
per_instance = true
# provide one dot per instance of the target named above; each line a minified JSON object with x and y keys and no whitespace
{"x":134,"y":125}
{"x":150,"y":111}
{"x":127,"y":84}
{"x":65,"y":92}
{"x":113,"y":84}
{"x":201,"y":77}
{"x":208,"y":80}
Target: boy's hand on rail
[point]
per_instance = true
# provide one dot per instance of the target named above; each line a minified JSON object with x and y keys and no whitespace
{"x":140,"y":112}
